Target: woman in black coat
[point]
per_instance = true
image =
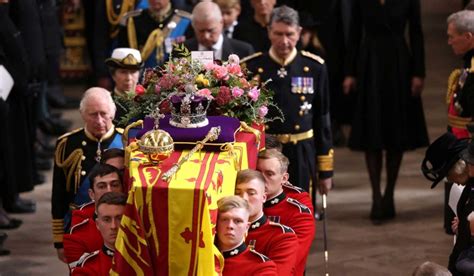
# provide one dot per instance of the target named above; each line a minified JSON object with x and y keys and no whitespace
{"x":388,"y":72}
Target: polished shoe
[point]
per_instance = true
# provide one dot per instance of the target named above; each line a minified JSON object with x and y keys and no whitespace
{"x":12,"y":224}
{"x":43,"y":164}
{"x":26,"y":201}
{"x":376,"y":213}
{"x":388,"y":208}
{"x":19,"y":208}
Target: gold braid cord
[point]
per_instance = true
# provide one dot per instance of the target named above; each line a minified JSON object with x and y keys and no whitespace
{"x":326,"y":162}
{"x":71,"y":165}
{"x":154,"y":40}
{"x":114,"y":19}
{"x":247,"y":128}
{"x":452,"y":84}
{"x":138,"y":123}
{"x":132,"y":34}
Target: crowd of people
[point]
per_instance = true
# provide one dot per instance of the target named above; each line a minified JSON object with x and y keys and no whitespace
{"x":331,"y":63}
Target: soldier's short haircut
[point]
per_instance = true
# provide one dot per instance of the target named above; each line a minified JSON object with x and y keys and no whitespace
{"x":286,"y":15}
{"x":463,"y":21}
{"x":97,"y":91}
{"x":228,"y":203}
{"x":111,"y":153}
{"x":112,"y":198}
{"x":271,"y":142}
{"x":273,"y":153}
{"x":245,"y":176}
{"x":102,"y":170}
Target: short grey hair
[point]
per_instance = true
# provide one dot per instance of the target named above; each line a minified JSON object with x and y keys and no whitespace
{"x":463,"y":21}
{"x":93,"y":92}
{"x":205,"y":11}
{"x":286,"y":15}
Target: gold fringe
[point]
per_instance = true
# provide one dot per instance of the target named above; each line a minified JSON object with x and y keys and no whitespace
{"x":452,"y":84}
{"x":71,"y":165}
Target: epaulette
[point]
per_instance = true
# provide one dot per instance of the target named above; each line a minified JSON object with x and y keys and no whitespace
{"x":252,"y":56}
{"x":126,"y":16}
{"x":284,"y":228}
{"x":262,"y":257}
{"x":74,"y":227}
{"x":119,"y":130}
{"x":184,"y":14}
{"x":87,"y":257}
{"x":313,"y":56}
{"x":293,"y":187}
{"x":303,"y":208}
{"x":70,"y":133}
{"x":85,"y":205}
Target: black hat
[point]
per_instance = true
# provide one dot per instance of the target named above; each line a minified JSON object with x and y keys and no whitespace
{"x":441,"y":156}
{"x":126,"y":58}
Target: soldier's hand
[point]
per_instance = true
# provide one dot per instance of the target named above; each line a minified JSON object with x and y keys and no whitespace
{"x":417,"y":85}
{"x":325,"y":185}
{"x":348,"y":84}
{"x":61,"y":256}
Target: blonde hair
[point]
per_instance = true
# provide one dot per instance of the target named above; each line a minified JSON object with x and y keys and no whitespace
{"x":273,"y":153}
{"x":227,"y":4}
{"x":248,"y":175}
{"x":228,"y":203}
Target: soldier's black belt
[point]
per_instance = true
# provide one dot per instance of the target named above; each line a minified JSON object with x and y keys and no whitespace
{"x":294,"y":137}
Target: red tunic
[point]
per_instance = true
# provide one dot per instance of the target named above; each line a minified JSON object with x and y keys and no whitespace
{"x":243,"y":261}
{"x":86,"y":210}
{"x":84,"y":237}
{"x":278,"y":242}
{"x":298,"y":194}
{"x":97,"y":263}
{"x":290,"y":212}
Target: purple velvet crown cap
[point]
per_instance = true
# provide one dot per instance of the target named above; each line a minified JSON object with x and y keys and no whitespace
{"x":191,"y":135}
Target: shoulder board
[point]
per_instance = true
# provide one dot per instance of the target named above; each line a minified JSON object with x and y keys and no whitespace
{"x":260,"y":255}
{"x":293,"y":187}
{"x":75,"y":227}
{"x":126,"y":16}
{"x":184,"y":14}
{"x":119,"y":130}
{"x":70,"y":133}
{"x":284,"y":228}
{"x":86,"y":204}
{"x":247,"y":58}
{"x":313,"y":56}
{"x":87,"y":257}
{"x":303,"y":208}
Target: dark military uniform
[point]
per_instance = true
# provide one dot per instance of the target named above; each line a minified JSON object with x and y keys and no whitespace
{"x":76,"y":154}
{"x":290,"y":212}
{"x":97,"y":263}
{"x":144,"y":30}
{"x":253,"y":33}
{"x":244,"y":261}
{"x":301,"y":91}
{"x":276,"y":241}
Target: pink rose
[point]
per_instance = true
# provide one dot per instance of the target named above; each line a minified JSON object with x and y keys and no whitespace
{"x":254,"y":93}
{"x":237,"y":92}
{"x":157,"y":89}
{"x":234,"y":59}
{"x":205,"y":92}
{"x":139,"y":90}
{"x":262,"y":111}
{"x":209,"y":66}
{"x":220,"y":73}
{"x":234,"y":69}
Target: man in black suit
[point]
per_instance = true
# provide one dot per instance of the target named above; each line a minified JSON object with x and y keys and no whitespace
{"x":207,"y":24}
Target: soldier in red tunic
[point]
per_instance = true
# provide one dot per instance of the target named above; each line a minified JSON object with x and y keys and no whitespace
{"x":232,"y":224}
{"x":283,"y":209}
{"x":84,"y":236}
{"x":277,"y":241}
{"x":110,"y":209}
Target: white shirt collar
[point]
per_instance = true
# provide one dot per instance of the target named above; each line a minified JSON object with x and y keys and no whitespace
{"x":217,"y":47}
